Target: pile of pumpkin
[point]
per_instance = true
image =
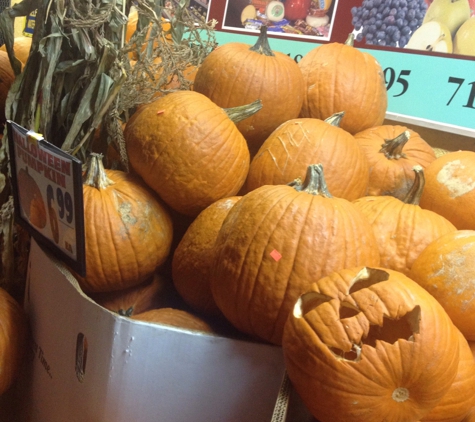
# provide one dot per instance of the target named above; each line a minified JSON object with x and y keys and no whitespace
{"x":308,"y":223}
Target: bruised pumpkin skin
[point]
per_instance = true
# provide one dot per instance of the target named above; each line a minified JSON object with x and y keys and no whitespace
{"x":369,"y":344}
{"x":274,"y":242}
{"x":450,"y":188}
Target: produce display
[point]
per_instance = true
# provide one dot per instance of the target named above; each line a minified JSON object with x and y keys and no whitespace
{"x":270,"y":200}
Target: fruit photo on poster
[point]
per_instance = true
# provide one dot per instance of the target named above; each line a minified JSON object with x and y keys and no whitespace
{"x":297,"y":18}
{"x":440,"y":26}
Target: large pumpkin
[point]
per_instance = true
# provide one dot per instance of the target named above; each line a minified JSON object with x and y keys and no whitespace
{"x":21,"y":47}
{"x":297,"y":143}
{"x":446,"y":269}
{"x":450,"y":188}
{"x":13,"y":335}
{"x":193,"y":257}
{"x":236,"y":74}
{"x":369,"y":344}
{"x":392,"y":152}
{"x":7,"y":76}
{"x":402,"y":228}
{"x":274,"y":242}
{"x":128,"y":230}
{"x":339,"y":77}
{"x":188,"y":150}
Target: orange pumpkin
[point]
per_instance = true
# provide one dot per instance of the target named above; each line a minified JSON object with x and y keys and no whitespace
{"x":460,"y":397}
{"x":128,"y":230}
{"x":175,"y":318}
{"x":297,"y":143}
{"x":446,"y":269}
{"x":31,"y":199}
{"x":278,"y":239}
{"x":369,"y":344}
{"x":235,"y":74}
{"x":7,"y":76}
{"x":450,"y":188}
{"x":188,"y":150}
{"x":402,"y":228}
{"x":392,"y":152}
{"x":13,"y":336}
{"x":21,"y":47}
{"x":339,"y":77}
{"x":194,"y":255}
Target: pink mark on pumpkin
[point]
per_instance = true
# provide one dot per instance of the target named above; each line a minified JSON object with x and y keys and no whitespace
{"x":276,"y":255}
{"x":160,"y":111}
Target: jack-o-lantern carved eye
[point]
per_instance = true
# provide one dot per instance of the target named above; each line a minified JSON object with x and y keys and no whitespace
{"x":367,"y":277}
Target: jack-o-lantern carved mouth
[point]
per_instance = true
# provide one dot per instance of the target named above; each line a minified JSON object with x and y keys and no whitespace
{"x":347,"y":323}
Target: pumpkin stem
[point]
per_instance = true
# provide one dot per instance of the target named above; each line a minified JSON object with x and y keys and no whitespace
{"x":413,"y":197}
{"x":236,"y":114}
{"x":392,"y":148}
{"x":262,"y":45}
{"x":95,"y":174}
{"x":350,"y":40}
{"x":335,"y":119}
{"x":314,"y":182}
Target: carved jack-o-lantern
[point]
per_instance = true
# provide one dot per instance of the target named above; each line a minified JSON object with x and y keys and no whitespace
{"x":369,"y":345}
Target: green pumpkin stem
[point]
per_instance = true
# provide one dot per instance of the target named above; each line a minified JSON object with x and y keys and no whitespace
{"x":413,"y":197}
{"x":314,"y":182}
{"x":236,"y":114}
{"x":335,"y":119}
{"x":350,"y":40}
{"x":95,"y":174}
{"x":262,"y":45}
{"x":392,"y":148}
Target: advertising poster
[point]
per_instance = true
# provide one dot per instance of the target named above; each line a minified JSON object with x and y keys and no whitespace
{"x":425,"y":47}
{"x":47,"y":184}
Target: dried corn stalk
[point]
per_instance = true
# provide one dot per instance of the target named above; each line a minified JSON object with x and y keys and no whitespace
{"x":80,"y":76}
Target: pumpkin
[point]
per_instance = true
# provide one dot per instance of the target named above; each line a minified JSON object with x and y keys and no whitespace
{"x":339,"y":77}
{"x":369,"y":344}
{"x":13,"y":336}
{"x":297,"y":143}
{"x":136,"y":299}
{"x":402,"y":228}
{"x":450,"y":188}
{"x":470,"y":416}
{"x":193,"y":257}
{"x":446,"y":269}
{"x":7,"y":76}
{"x":188,"y":150}
{"x":175,"y":318}
{"x":128,"y":231}
{"x":392,"y":152}
{"x":21,"y":47}
{"x":235,"y":74}
{"x":31,"y":198}
{"x":460,"y":397}
{"x":274,"y":242}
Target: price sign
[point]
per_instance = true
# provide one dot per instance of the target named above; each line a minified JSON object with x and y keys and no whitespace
{"x":429,"y":84}
{"x":48,"y":195}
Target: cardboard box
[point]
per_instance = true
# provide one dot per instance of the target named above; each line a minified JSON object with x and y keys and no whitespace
{"x":91,"y":365}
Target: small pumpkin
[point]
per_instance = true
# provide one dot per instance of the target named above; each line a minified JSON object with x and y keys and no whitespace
{"x":297,"y":143}
{"x":369,"y":344}
{"x":21,"y":47}
{"x":175,"y":318}
{"x":392,"y":152}
{"x":402,"y":228}
{"x":128,"y":231}
{"x":7,"y":76}
{"x":136,"y":299}
{"x":235,"y":74}
{"x":188,"y":150}
{"x":460,"y":397}
{"x":446,"y":269}
{"x":450,"y":188}
{"x":194,"y":255}
{"x":278,"y":239}
{"x":13,"y":339}
{"x":339,"y":77}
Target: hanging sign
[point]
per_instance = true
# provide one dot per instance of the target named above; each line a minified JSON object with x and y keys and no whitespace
{"x":48,"y":194}
{"x":425,"y":47}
